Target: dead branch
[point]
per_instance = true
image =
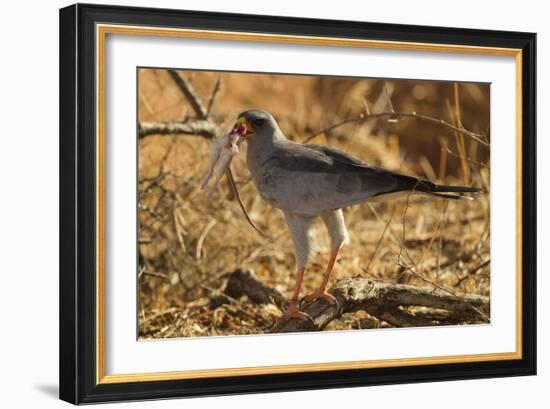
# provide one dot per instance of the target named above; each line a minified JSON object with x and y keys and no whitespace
{"x":199,"y":127}
{"x":385,"y":301}
{"x":187,"y":90}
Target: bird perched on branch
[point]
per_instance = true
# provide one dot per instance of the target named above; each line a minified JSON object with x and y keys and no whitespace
{"x":306,"y":181}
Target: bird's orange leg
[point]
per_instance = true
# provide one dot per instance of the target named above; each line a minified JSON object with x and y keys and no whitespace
{"x":293,"y":309}
{"x":321,"y":291}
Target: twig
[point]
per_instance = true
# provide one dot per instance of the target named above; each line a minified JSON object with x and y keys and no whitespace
{"x":459,"y":138}
{"x":403,"y":236}
{"x":438,"y":257}
{"x":427,"y":280}
{"x":389,"y":103}
{"x":403,"y":221}
{"x":152,"y":274}
{"x":366,"y":105}
{"x":202,"y":237}
{"x":366,"y":269}
{"x":393,"y":235}
{"x":365,"y":117}
{"x":189,"y":92}
{"x":180,"y":231}
{"x":434,"y":235}
{"x":466,"y":158}
{"x":217,"y":87}
{"x":162,"y":161}
{"x":168,"y":311}
{"x":473,"y":271}
{"x":146,"y":103}
{"x":443,"y":158}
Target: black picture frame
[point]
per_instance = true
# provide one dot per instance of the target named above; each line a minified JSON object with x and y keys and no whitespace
{"x":78,"y":360}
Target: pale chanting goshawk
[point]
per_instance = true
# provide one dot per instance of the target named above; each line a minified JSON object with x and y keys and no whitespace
{"x":305,"y":181}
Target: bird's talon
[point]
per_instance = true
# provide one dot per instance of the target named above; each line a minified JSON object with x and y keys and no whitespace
{"x":328,"y":297}
{"x":294,"y":312}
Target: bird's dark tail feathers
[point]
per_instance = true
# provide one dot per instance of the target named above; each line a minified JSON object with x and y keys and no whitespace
{"x":412,"y":184}
{"x":445,"y":191}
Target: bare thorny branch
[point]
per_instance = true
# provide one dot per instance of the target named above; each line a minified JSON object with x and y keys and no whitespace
{"x":366,"y":116}
{"x":393,"y":116}
{"x":201,"y":126}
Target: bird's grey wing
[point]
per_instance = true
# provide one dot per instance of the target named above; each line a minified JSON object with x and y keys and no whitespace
{"x":309,"y":179}
{"x":399,"y":182}
{"x":337,"y":155}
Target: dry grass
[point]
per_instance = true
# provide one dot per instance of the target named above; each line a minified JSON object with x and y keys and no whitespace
{"x":188,"y":244}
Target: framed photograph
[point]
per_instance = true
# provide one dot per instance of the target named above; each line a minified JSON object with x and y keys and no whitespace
{"x":257,"y":203}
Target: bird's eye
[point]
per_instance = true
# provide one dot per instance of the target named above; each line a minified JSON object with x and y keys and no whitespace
{"x":258,"y":122}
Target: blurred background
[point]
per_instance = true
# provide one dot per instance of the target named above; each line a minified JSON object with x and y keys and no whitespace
{"x":188,"y":245}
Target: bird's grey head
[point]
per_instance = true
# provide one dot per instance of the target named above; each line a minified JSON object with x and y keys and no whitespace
{"x":260,"y":126}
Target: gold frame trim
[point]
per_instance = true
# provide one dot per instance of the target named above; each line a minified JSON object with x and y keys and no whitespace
{"x":101,"y":32}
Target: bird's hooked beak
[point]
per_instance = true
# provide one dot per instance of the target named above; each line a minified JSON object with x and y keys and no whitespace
{"x":243,"y":127}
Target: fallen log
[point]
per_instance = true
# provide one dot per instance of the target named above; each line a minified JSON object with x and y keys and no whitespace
{"x":400,"y":305}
